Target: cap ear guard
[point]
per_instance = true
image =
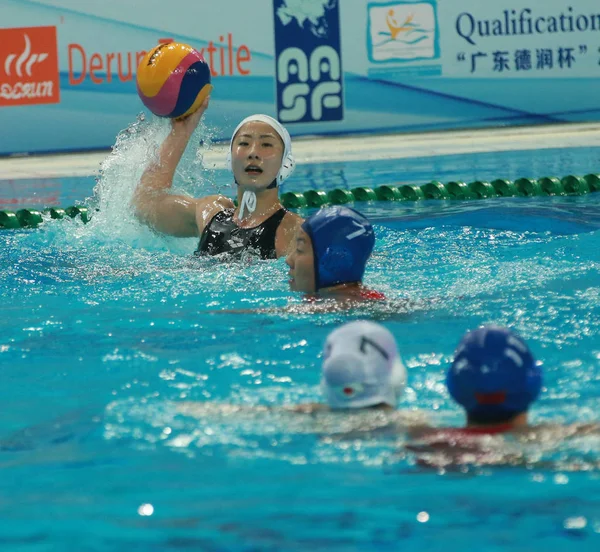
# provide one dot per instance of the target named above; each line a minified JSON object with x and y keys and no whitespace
{"x":335,"y":260}
{"x":288,"y":166}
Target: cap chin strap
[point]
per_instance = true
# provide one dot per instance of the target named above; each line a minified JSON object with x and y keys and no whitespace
{"x":248,"y":203}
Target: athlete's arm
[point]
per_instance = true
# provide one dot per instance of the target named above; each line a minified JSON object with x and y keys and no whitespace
{"x":307,"y":408}
{"x":176,"y":215}
{"x":286,"y":231}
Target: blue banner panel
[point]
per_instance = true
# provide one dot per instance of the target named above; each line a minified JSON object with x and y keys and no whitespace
{"x":68,"y":68}
{"x":308,"y":62}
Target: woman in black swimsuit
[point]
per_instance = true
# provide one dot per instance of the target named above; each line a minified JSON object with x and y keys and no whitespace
{"x":260,"y":158}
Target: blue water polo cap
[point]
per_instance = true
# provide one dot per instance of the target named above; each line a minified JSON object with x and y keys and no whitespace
{"x":493,"y":373}
{"x":342,"y":241}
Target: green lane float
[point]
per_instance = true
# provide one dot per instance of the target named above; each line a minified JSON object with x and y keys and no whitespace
{"x":315,"y":198}
{"x":435,"y":190}
{"x":575,"y":185}
{"x":504,"y":188}
{"x":339,"y":196}
{"x":593,"y":181}
{"x":364,"y":194}
{"x":293,"y":200}
{"x":551,"y":186}
{"x":527,"y":187}
{"x":9,"y":220}
{"x":482,"y":189}
{"x":459,"y":190}
{"x":78,"y":210}
{"x":32,"y":218}
{"x":55,"y":212}
{"x":411,"y":192}
{"x":570,"y":185}
{"x":29,"y":218}
{"x":387,"y":193}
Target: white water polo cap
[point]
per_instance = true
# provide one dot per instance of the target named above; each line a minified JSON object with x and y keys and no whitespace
{"x":288,"y":164}
{"x":362,"y":367}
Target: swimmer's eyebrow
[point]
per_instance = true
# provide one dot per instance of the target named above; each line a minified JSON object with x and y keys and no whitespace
{"x":261,"y":136}
{"x":300,"y":240}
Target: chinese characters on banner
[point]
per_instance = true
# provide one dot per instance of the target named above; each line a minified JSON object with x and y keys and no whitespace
{"x":523,"y":59}
{"x":553,"y":40}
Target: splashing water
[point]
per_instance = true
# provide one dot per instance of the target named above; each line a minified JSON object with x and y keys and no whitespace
{"x":134,"y":150}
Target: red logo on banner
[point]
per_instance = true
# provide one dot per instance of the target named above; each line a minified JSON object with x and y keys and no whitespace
{"x":29,"y":66}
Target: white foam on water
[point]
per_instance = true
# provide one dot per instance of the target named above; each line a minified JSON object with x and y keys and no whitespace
{"x":135,"y":148}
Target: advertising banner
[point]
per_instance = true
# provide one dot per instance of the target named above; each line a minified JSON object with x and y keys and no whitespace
{"x":68,"y":68}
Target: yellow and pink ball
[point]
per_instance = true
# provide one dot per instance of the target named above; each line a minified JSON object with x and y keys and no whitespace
{"x":173,"y":80}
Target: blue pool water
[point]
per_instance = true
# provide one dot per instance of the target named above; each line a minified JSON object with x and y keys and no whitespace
{"x":106,"y":330}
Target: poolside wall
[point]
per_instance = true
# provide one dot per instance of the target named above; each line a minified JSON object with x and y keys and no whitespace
{"x":351,"y":66}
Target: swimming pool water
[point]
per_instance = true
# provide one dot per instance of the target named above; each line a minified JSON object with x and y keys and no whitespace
{"x":106,"y":329}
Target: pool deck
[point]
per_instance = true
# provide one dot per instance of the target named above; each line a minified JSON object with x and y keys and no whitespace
{"x":346,"y":148}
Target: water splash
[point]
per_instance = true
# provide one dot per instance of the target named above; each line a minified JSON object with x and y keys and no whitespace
{"x":135,"y":148}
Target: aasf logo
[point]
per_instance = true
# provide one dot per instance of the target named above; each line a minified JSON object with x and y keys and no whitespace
{"x":29,"y":72}
{"x":317,"y":79}
{"x":308,"y":61}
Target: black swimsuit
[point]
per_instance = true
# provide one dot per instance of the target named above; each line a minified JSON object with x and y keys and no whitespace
{"x":223,"y":235}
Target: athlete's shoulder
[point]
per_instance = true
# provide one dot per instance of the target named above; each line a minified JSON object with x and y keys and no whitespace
{"x":291,"y":221}
{"x":286,"y":231}
{"x":210,"y":206}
